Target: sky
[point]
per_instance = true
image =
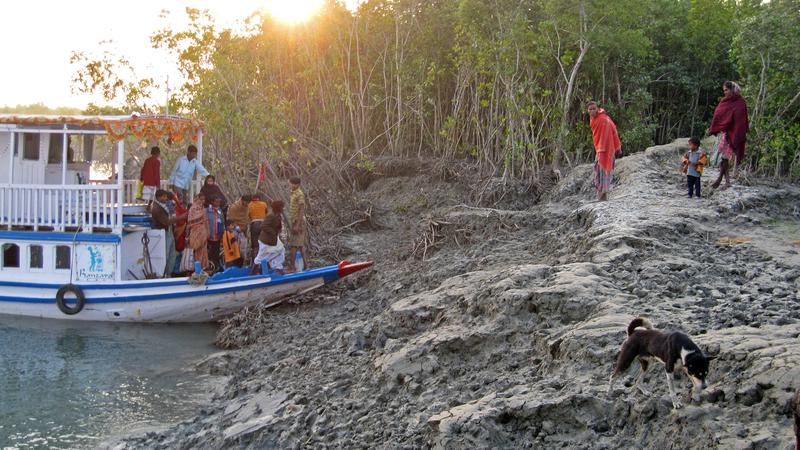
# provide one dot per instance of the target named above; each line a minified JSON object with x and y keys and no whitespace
{"x":39,"y":37}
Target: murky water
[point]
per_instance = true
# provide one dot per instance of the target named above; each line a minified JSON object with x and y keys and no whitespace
{"x":74,"y":385}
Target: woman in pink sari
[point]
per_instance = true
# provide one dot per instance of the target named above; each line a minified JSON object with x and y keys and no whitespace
{"x":198,"y":230}
{"x":730,"y":122}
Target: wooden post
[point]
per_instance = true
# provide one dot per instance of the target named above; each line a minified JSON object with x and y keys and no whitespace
{"x":12,"y":148}
{"x":120,"y":202}
{"x":197,"y":182}
{"x":10,"y":194}
{"x":120,"y":183}
{"x":63,"y":155}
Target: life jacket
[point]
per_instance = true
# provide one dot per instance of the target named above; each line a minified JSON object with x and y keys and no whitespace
{"x":230,"y":246}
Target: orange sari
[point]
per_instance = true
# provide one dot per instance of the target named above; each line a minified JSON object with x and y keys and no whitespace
{"x":606,"y":139}
{"x":606,"y":144}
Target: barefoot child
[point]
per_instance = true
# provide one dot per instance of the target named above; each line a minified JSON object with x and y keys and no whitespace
{"x":692,"y":164}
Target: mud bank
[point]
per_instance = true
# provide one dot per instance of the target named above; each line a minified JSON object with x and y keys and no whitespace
{"x":505,"y":334}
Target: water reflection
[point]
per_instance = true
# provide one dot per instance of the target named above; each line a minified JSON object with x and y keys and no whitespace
{"x":70,"y":345}
{"x":69,"y":385}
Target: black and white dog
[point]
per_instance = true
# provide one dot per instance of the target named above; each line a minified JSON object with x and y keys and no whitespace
{"x":669,"y":347}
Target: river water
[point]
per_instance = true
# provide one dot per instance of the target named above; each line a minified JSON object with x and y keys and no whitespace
{"x":75,"y":385}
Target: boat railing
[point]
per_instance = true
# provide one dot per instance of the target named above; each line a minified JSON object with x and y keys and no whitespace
{"x":128,"y":189}
{"x":61,"y":208}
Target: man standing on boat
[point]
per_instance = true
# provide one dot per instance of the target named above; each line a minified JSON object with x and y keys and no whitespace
{"x":150,"y":176}
{"x":297,"y":223}
{"x":182,"y":174}
{"x":163,"y":220}
{"x":257,"y":210}
{"x":270,"y":247}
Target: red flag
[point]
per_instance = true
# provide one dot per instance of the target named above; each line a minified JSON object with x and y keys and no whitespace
{"x":262,"y":173}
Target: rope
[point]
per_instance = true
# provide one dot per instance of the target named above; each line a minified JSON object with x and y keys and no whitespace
{"x":73,"y":251}
{"x":198,"y":279}
{"x":147,"y":266}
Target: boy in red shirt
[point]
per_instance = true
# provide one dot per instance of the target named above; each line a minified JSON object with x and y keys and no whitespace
{"x":150,"y":176}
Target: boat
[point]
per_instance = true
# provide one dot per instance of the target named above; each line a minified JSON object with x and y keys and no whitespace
{"x":78,"y":248}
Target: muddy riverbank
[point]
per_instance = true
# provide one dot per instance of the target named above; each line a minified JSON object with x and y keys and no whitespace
{"x":495,"y":323}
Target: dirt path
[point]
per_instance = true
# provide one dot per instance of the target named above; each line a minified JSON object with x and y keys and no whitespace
{"x":506,"y":334}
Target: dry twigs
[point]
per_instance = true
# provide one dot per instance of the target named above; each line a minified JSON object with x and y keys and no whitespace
{"x":365,"y":220}
{"x":434,"y":235}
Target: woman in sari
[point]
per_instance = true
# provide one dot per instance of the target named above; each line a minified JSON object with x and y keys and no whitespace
{"x":607,"y":147}
{"x":198,"y":230}
{"x":212,"y":190}
{"x":179,"y":230}
{"x":730,"y":122}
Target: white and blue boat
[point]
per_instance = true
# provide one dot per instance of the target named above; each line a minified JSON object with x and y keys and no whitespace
{"x":74,"y":248}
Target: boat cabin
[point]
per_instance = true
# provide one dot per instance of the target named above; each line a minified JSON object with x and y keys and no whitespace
{"x":67,"y":211}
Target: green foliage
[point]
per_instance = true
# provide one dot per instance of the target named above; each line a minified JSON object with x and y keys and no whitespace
{"x":113,"y":77}
{"x":366,"y":164}
{"x":38,"y":108}
{"x":765,"y":53}
{"x":502,"y":82}
{"x":420,"y":201}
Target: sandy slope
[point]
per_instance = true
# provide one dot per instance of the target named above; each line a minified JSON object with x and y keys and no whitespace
{"x":504,"y":337}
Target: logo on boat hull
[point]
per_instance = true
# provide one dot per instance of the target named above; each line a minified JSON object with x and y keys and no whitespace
{"x":95,"y":262}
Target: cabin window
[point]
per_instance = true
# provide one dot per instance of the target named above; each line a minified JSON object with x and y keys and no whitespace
{"x":10,"y":255}
{"x":74,"y":153}
{"x":63,"y":257}
{"x":88,"y":147}
{"x":30,"y":146}
{"x":35,"y":257}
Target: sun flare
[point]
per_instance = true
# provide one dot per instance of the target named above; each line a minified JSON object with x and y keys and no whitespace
{"x":292,"y":11}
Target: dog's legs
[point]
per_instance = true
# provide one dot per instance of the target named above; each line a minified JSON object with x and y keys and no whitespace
{"x":640,"y":379}
{"x":670,"y":382}
{"x":624,"y":360}
{"x":611,"y":383}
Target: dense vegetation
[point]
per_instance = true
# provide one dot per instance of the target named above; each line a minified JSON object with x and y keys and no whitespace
{"x":38,"y":108}
{"x":498,"y":82}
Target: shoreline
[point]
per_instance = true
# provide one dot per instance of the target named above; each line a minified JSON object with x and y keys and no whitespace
{"x":505,"y":333}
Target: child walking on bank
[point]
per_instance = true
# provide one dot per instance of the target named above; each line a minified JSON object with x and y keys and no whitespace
{"x":693,"y":163}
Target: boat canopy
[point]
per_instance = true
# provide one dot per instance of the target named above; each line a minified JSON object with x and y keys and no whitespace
{"x":153,"y":127}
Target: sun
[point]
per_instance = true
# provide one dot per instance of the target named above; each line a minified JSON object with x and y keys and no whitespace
{"x":292,"y":11}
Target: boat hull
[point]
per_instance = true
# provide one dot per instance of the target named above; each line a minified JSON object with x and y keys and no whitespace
{"x":170,"y":300}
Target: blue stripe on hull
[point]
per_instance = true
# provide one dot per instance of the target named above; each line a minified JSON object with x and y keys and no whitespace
{"x":55,"y":236}
{"x":326,"y":274}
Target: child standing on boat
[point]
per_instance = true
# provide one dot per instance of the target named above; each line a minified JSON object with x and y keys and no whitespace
{"x":230,"y":245}
{"x":257,"y":210}
{"x":239,"y":213}
{"x":215,"y":231}
{"x":150,"y":175}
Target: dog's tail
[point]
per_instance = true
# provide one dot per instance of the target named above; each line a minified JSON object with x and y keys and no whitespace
{"x":639,"y":322}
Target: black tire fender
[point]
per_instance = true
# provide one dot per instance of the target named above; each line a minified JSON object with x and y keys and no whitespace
{"x":80,"y":299}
